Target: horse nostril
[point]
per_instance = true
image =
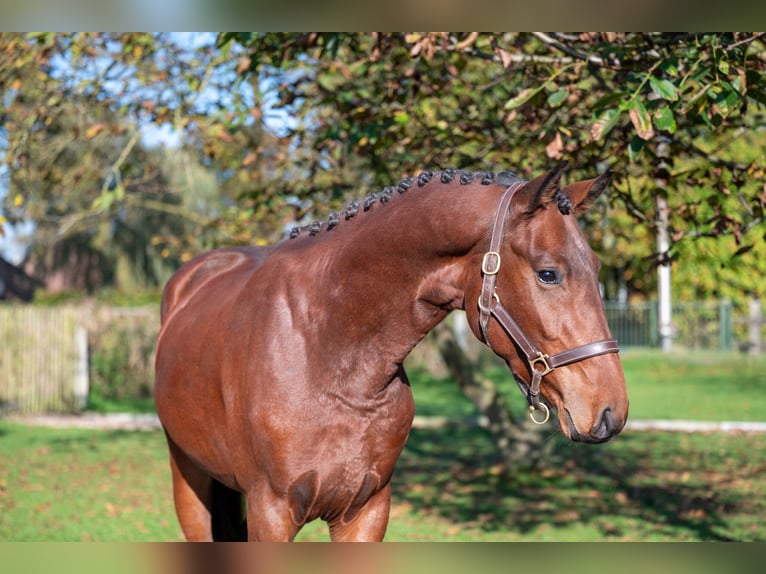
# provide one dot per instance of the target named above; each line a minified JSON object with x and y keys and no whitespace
{"x":606,"y":425}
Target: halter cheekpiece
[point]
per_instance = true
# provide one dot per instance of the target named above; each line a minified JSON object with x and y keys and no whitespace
{"x":540,"y":364}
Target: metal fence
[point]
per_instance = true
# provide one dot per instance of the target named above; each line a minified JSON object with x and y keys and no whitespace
{"x":700,"y":325}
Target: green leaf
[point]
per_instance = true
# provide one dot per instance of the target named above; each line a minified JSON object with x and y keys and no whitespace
{"x":522,"y":97}
{"x":607,"y":101}
{"x":725,"y":98}
{"x":527,"y":94}
{"x":557,"y":98}
{"x":669,"y":67}
{"x":330,"y":81}
{"x":664,"y":89}
{"x":641,"y":119}
{"x":664,"y":120}
{"x":634,"y":148}
{"x":604,"y":124}
{"x":104,"y":201}
{"x":401,"y":117}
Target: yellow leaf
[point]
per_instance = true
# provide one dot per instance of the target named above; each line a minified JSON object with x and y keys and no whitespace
{"x":18,"y":200}
{"x":94,"y":130}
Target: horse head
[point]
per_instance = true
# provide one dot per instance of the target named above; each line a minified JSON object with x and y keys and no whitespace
{"x":540,"y":290}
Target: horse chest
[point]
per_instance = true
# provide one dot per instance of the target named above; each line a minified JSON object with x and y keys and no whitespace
{"x":333,"y":451}
{"x":348,"y":464}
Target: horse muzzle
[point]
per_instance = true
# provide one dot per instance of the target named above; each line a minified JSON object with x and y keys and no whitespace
{"x":606,"y":426}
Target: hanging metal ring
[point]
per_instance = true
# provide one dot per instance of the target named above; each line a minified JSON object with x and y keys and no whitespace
{"x":543,"y":407}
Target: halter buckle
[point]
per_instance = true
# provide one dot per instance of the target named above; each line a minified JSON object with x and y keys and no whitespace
{"x":486,"y":263}
{"x":542,"y":360}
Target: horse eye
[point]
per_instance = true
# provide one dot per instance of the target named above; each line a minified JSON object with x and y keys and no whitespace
{"x":548,"y":276}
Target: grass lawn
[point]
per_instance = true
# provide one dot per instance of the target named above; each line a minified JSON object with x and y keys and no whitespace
{"x":82,"y":485}
{"x":79,"y":485}
{"x":705,"y":386}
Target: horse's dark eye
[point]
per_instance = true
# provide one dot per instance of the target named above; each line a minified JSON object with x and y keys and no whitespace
{"x":548,"y":276}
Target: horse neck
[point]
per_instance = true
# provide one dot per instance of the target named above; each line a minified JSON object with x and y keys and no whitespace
{"x":395,"y":273}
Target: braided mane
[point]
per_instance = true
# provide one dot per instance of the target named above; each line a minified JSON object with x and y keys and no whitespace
{"x":407,"y":183}
{"x":504,"y":178}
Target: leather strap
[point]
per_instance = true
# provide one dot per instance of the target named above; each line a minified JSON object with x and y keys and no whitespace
{"x":490,"y":264}
{"x":490,"y":306}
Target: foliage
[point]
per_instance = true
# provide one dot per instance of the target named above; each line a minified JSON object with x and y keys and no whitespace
{"x":121,"y":349}
{"x":283,"y":127}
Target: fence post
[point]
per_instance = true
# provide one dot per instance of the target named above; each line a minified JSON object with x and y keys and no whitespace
{"x":725,"y":326}
{"x":754,"y":322}
{"x":81,"y":383}
{"x":654,"y":331}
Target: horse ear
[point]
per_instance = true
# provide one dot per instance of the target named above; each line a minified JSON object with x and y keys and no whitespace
{"x":541,"y":190}
{"x":584,"y":193}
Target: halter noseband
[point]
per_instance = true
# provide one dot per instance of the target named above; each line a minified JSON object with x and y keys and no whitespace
{"x":540,"y":364}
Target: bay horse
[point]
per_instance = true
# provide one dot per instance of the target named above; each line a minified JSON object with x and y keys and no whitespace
{"x":279,"y":378}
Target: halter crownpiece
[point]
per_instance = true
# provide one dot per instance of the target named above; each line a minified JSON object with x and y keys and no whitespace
{"x":540,"y":364}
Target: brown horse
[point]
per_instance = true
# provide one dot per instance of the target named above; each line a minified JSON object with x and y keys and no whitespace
{"x":279,"y":369}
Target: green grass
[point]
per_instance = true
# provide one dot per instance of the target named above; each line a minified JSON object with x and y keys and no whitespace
{"x":705,"y":386}
{"x":80,"y":485}
{"x":696,"y":385}
{"x":77,"y":485}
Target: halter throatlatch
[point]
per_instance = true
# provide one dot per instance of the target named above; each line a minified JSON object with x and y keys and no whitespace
{"x":540,"y":364}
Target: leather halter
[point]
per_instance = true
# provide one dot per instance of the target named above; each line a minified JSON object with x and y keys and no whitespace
{"x":540,"y":364}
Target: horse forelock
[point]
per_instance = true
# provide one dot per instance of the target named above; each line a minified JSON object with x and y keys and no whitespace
{"x":424,"y":178}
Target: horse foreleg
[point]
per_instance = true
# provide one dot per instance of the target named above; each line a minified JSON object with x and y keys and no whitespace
{"x":269,"y":518}
{"x":368,"y":524}
{"x":192,"y":494}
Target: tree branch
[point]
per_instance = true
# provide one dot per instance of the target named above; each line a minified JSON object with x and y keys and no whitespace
{"x":597,"y":60}
{"x":115,"y":167}
{"x":747,"y":40}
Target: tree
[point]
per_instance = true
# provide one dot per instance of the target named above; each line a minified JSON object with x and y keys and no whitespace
{"x":108,"y":207}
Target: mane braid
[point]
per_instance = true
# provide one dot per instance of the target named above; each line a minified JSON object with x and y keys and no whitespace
{"x":446,"y":176}
{"x":563,"y":202}
{"x":405,"y":184}
{"x":424,"y":178}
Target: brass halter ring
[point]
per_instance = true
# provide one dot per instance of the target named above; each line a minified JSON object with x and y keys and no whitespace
{"x":544,"y":408}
